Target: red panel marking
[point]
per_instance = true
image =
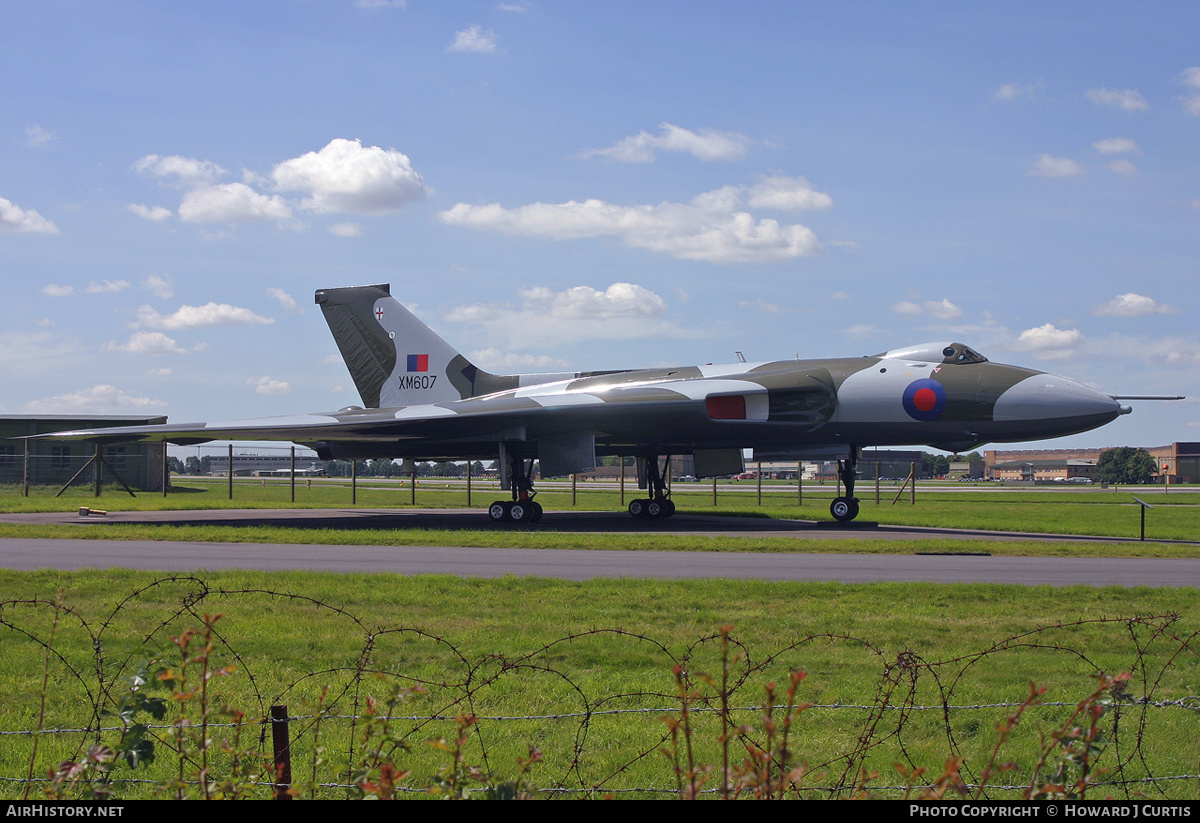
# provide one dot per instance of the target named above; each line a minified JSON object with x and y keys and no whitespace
{"x":732,"y":407}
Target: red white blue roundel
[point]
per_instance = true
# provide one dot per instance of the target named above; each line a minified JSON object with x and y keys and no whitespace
{"x":925,"y":400}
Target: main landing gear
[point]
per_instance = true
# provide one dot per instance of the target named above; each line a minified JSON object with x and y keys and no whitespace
{"x":522,"y":508}
{"x":659,"y":504}
{"x":845,"y":509}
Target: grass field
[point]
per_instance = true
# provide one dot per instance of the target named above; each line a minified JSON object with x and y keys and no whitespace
{"x":948,"y":662}
{"x":1113,"y":513}
{"x":544,"y":653}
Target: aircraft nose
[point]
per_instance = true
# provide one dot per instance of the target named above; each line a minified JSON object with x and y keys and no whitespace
{"x":1048,"y":396}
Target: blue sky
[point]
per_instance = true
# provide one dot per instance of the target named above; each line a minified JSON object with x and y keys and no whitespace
{"x":564,"y":186}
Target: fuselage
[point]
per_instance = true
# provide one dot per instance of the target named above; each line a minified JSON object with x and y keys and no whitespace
{"x":941,"y":395}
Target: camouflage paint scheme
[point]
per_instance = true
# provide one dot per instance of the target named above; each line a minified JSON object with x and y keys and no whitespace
{"x":457,"y":411}
{"x":424,"y":400}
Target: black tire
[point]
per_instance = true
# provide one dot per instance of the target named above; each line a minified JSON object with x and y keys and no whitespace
{"x":655,"y":509}
{"x":535,"y":511}
{"x":668,"y":508}
{"x":637,"y":507}
{"x":500,"y":511}
{"x":844,"y":509}
{"x":519,"y":511}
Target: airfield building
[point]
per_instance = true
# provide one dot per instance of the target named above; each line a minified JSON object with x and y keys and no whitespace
{"x":139,"y":465}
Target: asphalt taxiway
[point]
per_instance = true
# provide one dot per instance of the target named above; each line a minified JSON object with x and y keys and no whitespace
{"x":177,"y":556}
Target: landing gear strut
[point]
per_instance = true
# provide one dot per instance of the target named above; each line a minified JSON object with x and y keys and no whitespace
{"x":659,"y":504}
{"x":522,"y":508}
{"x":845,"y":509}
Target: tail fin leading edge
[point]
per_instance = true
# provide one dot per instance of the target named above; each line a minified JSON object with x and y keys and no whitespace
{"x":394,"y":358}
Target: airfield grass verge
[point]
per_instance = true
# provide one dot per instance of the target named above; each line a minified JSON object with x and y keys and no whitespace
{"x":1176,"y":515}
{"x":627,"y":542}
{"x":952,"y":661}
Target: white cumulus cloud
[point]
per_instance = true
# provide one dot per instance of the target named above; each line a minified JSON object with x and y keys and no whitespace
{"x":493,"y":359}
{"x":156,"y":214}
{"x":198,"y":317}
{"x":580,"y":302}
{"x":16,"y":220}
{"x":474,"y":39}
{"x":1115,"y":145}
{"x":99,"y":399}
{"x":285,"y":300}
{"x":56,"y":290}
{"x":1191,"y":77}
{"x":713,"y":227}
{"x":706,"y":144}
{"x":1132,"y":305}
{"x":545,"y":316}
{"x":346,"y":230}
{"x":942,"y":309}
{"x":187,"y":170}
{"x":36,"y":136}
{"x":1049,"y":166}
{"x":345,"y":176}
{"x":1125,"y":99}
{"x":267,"y":385}
{"x":1011,"y":91}
{"x":153,"y":343}
{"x":1050,"y":343}
{"x":231,"y":203}
{"x":160,"y":285}
{"x":787,"y":194}
{"x":106,"y":286}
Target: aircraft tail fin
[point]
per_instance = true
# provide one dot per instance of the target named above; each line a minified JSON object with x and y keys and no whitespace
{"x":394,"y":358}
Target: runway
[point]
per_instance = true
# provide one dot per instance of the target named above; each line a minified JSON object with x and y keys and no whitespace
{"x":181,"y":556}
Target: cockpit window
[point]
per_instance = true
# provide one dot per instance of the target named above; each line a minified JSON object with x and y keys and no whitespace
{"x":949,"y":354}
{"x":958,"y":353}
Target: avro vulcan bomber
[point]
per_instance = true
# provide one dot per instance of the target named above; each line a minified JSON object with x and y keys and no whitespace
{"x":425,"y":401}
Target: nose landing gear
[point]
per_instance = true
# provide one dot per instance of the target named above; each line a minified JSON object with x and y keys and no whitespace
{"x":845,"y":509}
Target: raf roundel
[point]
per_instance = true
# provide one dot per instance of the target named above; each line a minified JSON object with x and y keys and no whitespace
{"x":925,"y":400}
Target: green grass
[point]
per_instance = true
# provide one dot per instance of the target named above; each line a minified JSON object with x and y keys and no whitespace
{"x":626,"y":542}
{"x":531,"y":647}
{"x":528,"y":647}
{"x":1107,"y":513}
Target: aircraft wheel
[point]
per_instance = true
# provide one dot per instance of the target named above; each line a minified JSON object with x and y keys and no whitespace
{"x":844,"y":509}
{"x":637,"y":507}
{"x":519,"y":512}
{"x":500,"y":511}
{"x":668,"y":508}
{"x":535,"y":511}
{"x":655,"y":509}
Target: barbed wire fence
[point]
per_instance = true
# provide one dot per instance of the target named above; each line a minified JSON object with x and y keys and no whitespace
{"x":596,"y":733}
